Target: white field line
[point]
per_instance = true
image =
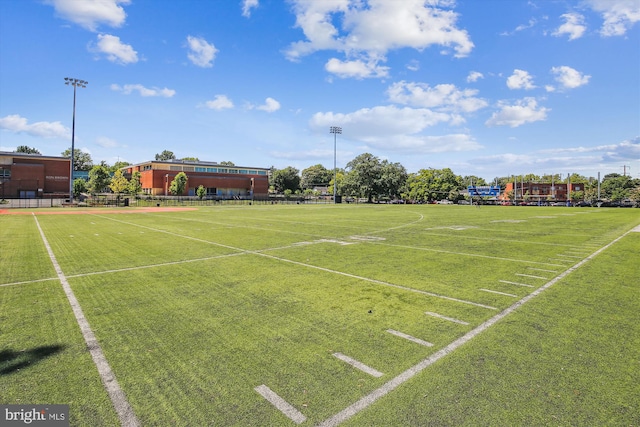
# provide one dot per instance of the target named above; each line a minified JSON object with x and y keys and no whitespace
{"x":521,"y":261}
{"x":421,"y":217}
{"x":541,"y":269}
{"x":358,"y":365}
{"x":450,"y":319}
{"x":287,"y":409}
{"x":30,"y":281}
{"x":570,"y":256}
{"x":532,"y":276}
{"x":392,"y":384}
{"x":516,"y":283}
{"x":462,"y":236}
{"x":118,"y":398}
{"x":410,"y":338}
{"x":260,"y":253}
{"x":499,"y":293}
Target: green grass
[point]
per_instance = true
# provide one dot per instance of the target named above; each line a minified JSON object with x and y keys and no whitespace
{"x":194,"y":309}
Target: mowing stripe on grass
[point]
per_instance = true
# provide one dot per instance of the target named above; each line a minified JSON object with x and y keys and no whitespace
{"x":358,"y":365}
{"x":260,"y":253}
{"x":410,"y":338}
{"x":450,"y":319}
{"x":516,"y":283}
{"x":118,"y":398}
{"x":499,"y":293}
{"x":533,"y":277}
{"x":392,"y":384}
{"x":292,"y":413}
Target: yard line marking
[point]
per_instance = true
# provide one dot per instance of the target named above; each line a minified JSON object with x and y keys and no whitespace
{"x":358,"y":365}
{"x":287,"y":409}
{"x":260,"y":253}
{"x":410,"y":338}
{"x":532,"y":276}
{"x":450,"y":319}
{"x":541,"y":269}
{"x":378,"y":282}
{"x":493,"y":239}
{"x":118,"y":398}
{"x":499,"y":293}
{"x":521,"y":261}
{"x":570,"y":256}
{"x":516,"y":283}
{"x":395,"y":382}
{"x":29,"y":281}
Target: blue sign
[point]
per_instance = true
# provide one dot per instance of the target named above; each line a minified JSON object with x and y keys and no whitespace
{"x":483,"y":190}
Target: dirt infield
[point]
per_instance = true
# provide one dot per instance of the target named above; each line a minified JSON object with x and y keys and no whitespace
{"x":73,"y":211}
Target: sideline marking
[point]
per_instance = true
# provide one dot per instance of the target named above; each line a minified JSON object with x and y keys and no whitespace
{"x":450,"y":319}
{"x":499,"y":293}
{"x":358,"y":365}
{"x":118,"y":398}
{"x":410,"y":338}
{"x":516,"y":283}
{"x":392,"y":384}
{"x":287,"y":409}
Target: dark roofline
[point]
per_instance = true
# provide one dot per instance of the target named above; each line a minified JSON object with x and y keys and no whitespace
{"x":194,"y":163}
{"x":33,"y":156}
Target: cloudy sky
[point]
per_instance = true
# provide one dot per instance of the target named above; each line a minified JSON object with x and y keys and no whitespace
{"x":489,"y":88}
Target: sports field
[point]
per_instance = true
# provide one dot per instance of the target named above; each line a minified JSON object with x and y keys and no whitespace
{"x":367,"y":315}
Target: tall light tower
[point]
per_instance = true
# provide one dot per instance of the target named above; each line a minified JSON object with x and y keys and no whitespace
{"x":75,"y":83}
{"x":335,"y":130}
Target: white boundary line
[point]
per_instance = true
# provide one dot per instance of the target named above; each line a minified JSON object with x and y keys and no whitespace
{"x":285,"y":407}
{"x":450,"y":319}
{"x":30,"y":281}
{"x":392,"y":384}
{"x":358,"y":365}
{"x":118,"y":398}
{"x":516,"y":283}
{"x":410,"y":338}
{"x":499,"y":293}
{"x":532,"y":276}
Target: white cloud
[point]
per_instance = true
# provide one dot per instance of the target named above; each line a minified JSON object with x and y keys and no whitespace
{"x":569,"y":78}
{"x":143,"y":91}
{"x":520,"y":79}
{"x":115,"y":50}
{"x":446,"y":97}
{"x":105,"y":142}
{"x":201,"y":53}
{"x":371,"y":28}
{"x":390,"y":128}
{"x":573,"y":26}
{"x":270,"y":105}
{"x":247,"y":5}
{"x":357,"y":69}
{"x":17,"y":124}
{"x":523,"y":111}
{"x":619,"y":15}
{"x":474,"y":76}
{"x":89,"y":14}
{"x":219,"y":102}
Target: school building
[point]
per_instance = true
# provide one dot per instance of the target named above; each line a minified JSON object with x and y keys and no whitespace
{"x":220,"y":181}
{"x":28,"y":176}
{"x":540,"y":192}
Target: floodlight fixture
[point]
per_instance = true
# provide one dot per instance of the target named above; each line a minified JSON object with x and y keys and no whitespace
{"x":335,"y":130}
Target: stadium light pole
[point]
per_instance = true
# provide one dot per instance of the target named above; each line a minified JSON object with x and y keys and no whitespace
{"x":335,"y":130}
{"x":75,"y":83}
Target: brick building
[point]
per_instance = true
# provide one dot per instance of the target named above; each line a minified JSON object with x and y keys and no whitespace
{"x":543,"y":192}
{"x":30,"y":176}
{"x":220,"y":181}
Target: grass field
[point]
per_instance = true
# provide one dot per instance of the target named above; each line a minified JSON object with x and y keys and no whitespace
{"x":198,"y":312}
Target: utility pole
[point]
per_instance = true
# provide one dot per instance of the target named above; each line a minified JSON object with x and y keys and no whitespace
{"x":335,"y":130}
{"x":75,"y":83}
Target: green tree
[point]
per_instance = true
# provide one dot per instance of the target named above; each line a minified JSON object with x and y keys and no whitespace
{"x":81,"y":160}
{"x":340,"y":187}
{"x":179,"y":184}
{"x":119,"y":184}
{"x":432,"y":184}
{"x":201,"y":192}
{"x":315,"y":175}
{"x":26,"y":150}
{"x":634,"y":195}
{"x":227,"y":163}
{"x":166,"y":155}
{"x":135,"y":186}
{"x":118,"y":165}
{"x":613,"y":186}
{"x":363,"y":177}
{"x":286,"y":179}
{"x":393,"y":178}
{"x":473,"y":180}
{"x":190,"y":159}
{"x":79,"y":187}
{"x":99,"y":179}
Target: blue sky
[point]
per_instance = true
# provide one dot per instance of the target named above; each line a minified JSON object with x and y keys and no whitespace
{"x":487,"y":88}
